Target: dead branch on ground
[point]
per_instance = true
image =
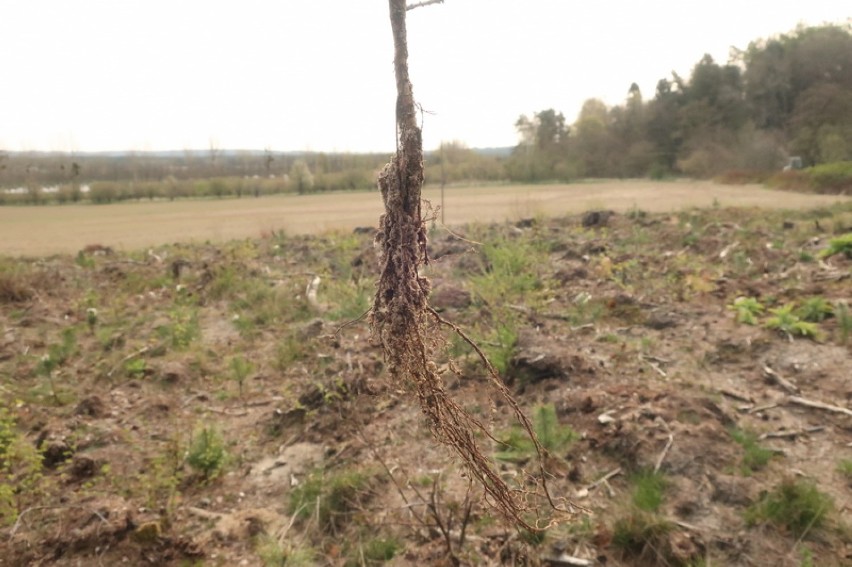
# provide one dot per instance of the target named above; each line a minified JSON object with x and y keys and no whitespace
{"x":818,"y":405}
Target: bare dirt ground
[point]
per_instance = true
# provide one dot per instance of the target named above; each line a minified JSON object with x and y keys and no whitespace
{"x":193,"y":404}
{"x":33,"y":231}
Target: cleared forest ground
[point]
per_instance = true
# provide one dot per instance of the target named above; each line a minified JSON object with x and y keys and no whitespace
{"x":688,"y":372}
{"x":32,"y":231}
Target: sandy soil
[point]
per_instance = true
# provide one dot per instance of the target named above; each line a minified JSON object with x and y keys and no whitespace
{"x":28,"y":231}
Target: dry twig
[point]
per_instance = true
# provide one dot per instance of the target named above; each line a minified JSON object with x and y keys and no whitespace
{"x":774,"y":378}
{"x":818,"y":405}
{"x":423,"y":3}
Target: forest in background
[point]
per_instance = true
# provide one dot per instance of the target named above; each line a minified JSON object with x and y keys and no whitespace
{"x":741,"y":121}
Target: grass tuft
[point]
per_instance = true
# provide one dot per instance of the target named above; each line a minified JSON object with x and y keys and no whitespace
{"x":796,"y":506}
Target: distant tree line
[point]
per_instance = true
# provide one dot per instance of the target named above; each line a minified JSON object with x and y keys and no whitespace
{"x":786,"y":96}
{"x":41,"y":177}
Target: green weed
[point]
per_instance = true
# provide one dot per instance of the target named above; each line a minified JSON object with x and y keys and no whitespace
{"x":289,"y":350}
{"x":648,"y":490}
{"x":183,"y":328}
{"x":333,"y":497}
{"x":794,"y":505}
{"x":755,"y":457}
{"x":374,"y":551}
{"x":20,"y":469}
{"x":274,"y":553}
{"x":554,"y":437}
{"x":135,"y":367}
{"x":844,"y":322}
{"x":844,"y":467}
{"x":509,"y":272}
{"x":351,"y":299}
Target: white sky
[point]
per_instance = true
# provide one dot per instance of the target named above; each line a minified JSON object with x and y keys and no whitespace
{"x":85,"y":75}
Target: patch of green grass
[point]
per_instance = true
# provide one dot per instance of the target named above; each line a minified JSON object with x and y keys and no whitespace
{"x":350,"y":299}
{"x":20,"y":469}
{"x":844,"y":467}
{"x":795,"y":505}
{"x":333,"y":497}
{"x":182,"y":329}
{"x":288,"y":351}
{"x":516,"y":445}
{"x":135,"y":367}
{"x":648,"y":490}
{"x":274,"y":553}
{"x":374,"y":551}
{"x":510,"y":271}
{"x":585,"y":310}
{"x":642,"y":535}
{"x":844,"y":322}
{"x":755,"y":457}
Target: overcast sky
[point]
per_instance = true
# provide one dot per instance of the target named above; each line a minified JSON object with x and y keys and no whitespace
{"x":85,"y":75}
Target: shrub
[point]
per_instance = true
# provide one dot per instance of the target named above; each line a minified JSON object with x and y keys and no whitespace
{"x":746,"y":310}
{"x":841,"y":244}
{"x":831,"y":177}
{"x":207,"y":453}
{"x":815,"y":309}
{"x":784,"y":320}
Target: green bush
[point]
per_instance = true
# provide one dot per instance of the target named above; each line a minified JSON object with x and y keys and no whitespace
{"x":831,"y":177}
{"x":840,"y":245}
{"x":815,"y":309}
{"x":785,"y":320}
{"x":207,"y":453}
